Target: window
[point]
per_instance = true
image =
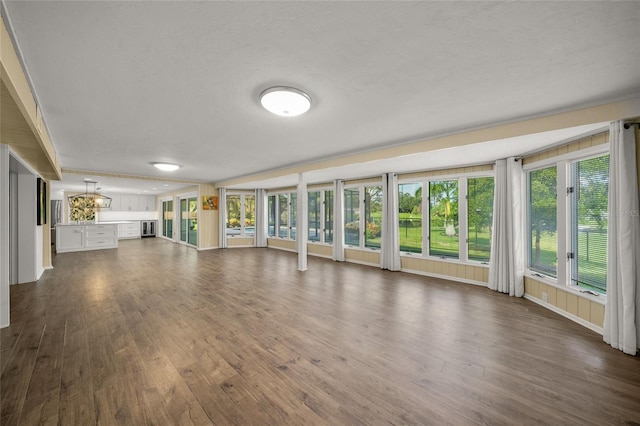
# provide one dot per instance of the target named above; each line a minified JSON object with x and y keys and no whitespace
{"x":271,"y":213}
{"x":410,"y":217}
{"x":373,"y":216}
{"x":241,"y":215}
{"x":281,"y":215}
{"x":314,"y":214}
{"x":443,"y":218}
{"x":589,"y":218}
{"x":542,"y":214}
{"x":167,"y":219}
{"x":479,"y":218}
{"x":321,"y":216}
{"x":328,"y":217}
{"x":352,"y":217}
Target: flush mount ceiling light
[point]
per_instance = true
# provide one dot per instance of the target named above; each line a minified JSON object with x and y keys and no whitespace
{"x":167,"y":167}
{"x":285,"y":101}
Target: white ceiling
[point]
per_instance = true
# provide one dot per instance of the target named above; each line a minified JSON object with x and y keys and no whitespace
{"x":122,"y":84}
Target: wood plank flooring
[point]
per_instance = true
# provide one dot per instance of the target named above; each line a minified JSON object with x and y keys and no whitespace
{"x":158,"y":333}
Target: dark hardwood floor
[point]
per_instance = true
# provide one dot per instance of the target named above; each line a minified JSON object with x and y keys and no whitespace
{"x":157,"y":333}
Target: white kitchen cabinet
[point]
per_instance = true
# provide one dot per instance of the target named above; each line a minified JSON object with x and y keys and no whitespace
{"x":115,"y":202}
{"x":129,"y":230}
{"x":147,"y":203}
{"x":69,"y":238}
{"x":129,"y":203}
{"x":85,"y":237}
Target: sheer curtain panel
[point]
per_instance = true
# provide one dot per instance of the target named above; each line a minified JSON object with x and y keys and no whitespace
{"x":622,"y":310}
{"x":338,"y":221}
{"x":390,"y":228}
{"x":261,"y":218}
{"x":222,"y":209}
{"x":506,"y":264}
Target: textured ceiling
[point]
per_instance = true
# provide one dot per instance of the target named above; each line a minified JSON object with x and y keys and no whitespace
{"x":122,"y":84}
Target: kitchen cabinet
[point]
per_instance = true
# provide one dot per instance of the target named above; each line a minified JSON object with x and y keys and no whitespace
{"x":129,"y":230}
{"x":129,"y":203}
{"x":147,"y":203}
{"x":85,"y":237}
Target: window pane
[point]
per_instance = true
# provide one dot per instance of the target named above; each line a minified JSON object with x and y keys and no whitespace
{"x":233,"y":215}
{"x":589,"y":222}
{"x":443,"y":218}
{"x":272,"y":215}
{"x":250,"y":215}
{"x":328,"y":217}
{"x":373,"y":216}
{"x":294,"y":210}
{"x":480,"y":217}
{"x":543,"y":248}
{"x":314,"y":216}
{"x":283,"y":216}
{"x":410,"y":217}
{"x":352,"y":217}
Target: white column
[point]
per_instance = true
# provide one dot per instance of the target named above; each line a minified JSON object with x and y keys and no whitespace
{"x":4,"y":236}
{"x":302,"y":223}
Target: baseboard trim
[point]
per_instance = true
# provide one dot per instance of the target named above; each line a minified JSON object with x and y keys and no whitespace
{"x":565,"y":314}
{"x":445,"y":277}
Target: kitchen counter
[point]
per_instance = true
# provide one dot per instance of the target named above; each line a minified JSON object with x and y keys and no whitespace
{"x":85,"y":236}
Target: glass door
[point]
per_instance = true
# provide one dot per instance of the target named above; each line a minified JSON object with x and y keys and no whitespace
{"x":189,"y":220}
{"x":167,"y":219}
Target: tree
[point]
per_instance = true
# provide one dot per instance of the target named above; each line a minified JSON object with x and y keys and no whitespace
{"x":543,"y":195}
{"x":480,"y":203}
{"x":592,"y":191}
{"x":444,"y":201}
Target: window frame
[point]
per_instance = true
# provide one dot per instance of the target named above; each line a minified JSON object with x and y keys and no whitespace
{"x":243,"y":233}
{"x":563,"y":162}
{"x":362,"y":216}
{"x":322,"y":217}
{"x":463,"y":228}
{"x":289,"y":225}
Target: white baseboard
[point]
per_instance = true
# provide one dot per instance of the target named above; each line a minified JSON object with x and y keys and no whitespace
{"x":445,"y":277}
{"x":207,"y":248}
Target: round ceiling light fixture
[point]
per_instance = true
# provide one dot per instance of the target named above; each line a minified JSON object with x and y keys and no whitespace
{"x":166,"y":167}
{"x":285,"y":101}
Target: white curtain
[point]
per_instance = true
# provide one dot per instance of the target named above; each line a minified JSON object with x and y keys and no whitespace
{"x":390,"y":228}
{"x":302,"y":234}
{"x":222,"y":209}
{"x":338,"y":221}
{"x":622,"y":310}
{"x":506,"y":266}
{"x":261,"y":218}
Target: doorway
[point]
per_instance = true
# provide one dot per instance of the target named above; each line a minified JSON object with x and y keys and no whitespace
{"x":189,"y":220}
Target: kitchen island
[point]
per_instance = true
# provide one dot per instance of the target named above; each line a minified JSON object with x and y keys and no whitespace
{"x":86,"y":236}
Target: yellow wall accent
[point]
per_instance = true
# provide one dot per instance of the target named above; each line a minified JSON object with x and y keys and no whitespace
{"x":362,"y":256}
{"x":22,"y":126}
{"x":445,"y":172}
{"x":281,"y":244}
{"x":319,"y":250}
{"x":572,"y":303}
{"x":589,"y":141}
{"x":451,"y":269}
{"x":240,"y":242}
{"x":209,"y":219}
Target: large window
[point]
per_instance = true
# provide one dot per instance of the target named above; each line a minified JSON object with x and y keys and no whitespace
{"x":281,"y":215}
{"x":352,"y":217}
{"x":443,"y":218}
{"x":542,"y":213}
{"x":373,"y":216}
{"x":589,"y":218}
{"x":410,"y":217}
{"x":321,"y":216}
{"x":363,"y":230}
{"x":479,"y":217}
{"x":241,"y":215}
